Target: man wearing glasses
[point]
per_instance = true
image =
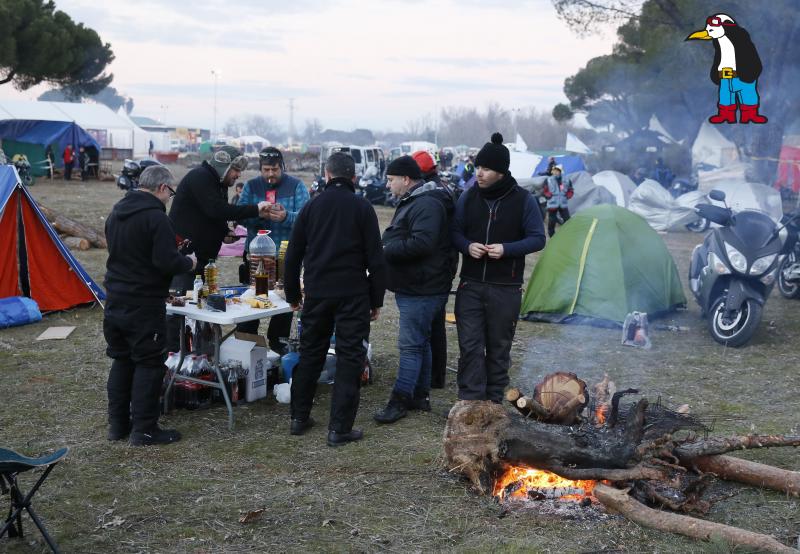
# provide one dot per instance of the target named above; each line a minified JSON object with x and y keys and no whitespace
{"x":201,"y":212}
{"x":286,"y":195}
{"x":142,"y":258}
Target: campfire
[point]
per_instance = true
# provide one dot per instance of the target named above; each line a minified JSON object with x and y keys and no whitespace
{"x":535,"y":484}
{"x":567,"y":441}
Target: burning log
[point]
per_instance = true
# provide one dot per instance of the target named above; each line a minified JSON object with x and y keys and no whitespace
{"x":620,"y":501}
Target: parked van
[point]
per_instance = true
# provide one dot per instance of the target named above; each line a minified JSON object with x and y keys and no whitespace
{"x":364,"y":156}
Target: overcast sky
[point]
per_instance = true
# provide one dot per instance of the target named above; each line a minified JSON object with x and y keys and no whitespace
{"x":350,"y":63}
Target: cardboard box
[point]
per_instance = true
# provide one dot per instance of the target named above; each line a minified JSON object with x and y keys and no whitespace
{"x":252,"y":352}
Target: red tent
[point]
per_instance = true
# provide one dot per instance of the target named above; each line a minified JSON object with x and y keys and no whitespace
{"x":789,"y":169}
{"x":33,"y":260}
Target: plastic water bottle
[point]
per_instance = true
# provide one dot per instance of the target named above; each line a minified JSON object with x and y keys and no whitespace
{"x":262,"y":249}
{"x":196,"y":288}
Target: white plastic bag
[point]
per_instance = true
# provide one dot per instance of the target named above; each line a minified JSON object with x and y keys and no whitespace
{"x":283,"y":392}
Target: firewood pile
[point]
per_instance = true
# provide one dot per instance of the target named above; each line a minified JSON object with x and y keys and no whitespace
{"x":650,"y":463}
{"x":75,"y":235}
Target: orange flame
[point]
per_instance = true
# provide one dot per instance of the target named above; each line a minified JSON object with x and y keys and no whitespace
{"x":517,"y":482}
{"x":600,"y":414}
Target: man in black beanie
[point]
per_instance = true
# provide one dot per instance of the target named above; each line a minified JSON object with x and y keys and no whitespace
{"x":417,"y":249}
{"x":495,"y":225}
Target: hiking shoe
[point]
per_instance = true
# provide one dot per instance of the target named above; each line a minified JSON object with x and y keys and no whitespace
{"x":396,"y":408}
{"x":118,"y":432}
{"x":156,"y":435}
{"x":300,"y":426}
{"x":340,"y":439}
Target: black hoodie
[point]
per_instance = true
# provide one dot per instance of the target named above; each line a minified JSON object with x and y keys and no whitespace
{"x":142,"y":251}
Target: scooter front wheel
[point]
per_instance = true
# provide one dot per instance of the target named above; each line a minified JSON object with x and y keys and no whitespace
{"x":788,"y":289}
{"x":739,"y":327}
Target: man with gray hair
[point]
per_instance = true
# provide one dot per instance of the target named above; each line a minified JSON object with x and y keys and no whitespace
{"x":142,"y":259}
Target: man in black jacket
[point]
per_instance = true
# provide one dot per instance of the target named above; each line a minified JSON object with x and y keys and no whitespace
{"x":200,"y":213}
{"x":417,"y":249}
{"x":496,"y":224}
{"x":142,"y":258}
{"x":337,"y":241}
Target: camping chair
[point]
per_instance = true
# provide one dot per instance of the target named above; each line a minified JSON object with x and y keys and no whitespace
{"x":11,"y":465}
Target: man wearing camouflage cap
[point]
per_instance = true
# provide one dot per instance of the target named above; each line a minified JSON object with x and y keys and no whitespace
{"x":200,"y":212}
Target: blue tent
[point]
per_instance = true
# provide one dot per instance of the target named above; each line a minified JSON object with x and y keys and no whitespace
{"x":33,"y":260}
{"x":571,"y":164}
{"x":32,"y":137}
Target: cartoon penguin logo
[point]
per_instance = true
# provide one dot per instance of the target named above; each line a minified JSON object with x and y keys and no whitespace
{"x":736,"y":70}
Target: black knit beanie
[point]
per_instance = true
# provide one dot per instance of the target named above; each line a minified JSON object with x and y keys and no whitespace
{"x":494,"y":155}
{"x":405,"y":166}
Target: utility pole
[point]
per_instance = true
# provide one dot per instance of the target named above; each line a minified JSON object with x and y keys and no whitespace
{"x":291,"y":120}
{"x":215,"y":74}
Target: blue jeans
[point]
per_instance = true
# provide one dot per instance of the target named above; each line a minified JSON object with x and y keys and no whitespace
{"x":414,"y":341}
{"x":730,"y":89}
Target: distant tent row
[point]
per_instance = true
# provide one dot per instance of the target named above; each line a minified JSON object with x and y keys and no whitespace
{"x":33,"y":260}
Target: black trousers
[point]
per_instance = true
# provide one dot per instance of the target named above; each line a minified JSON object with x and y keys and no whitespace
{"x":68,"y":172}
{"x":350,"y":317}
{"x":552,"y":219}
{"x":438,"y":350}
{"x":136,"y":338}
{"x":486,"y":317}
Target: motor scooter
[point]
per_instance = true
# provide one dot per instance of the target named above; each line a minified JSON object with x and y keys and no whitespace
{"x":24,"y":170}
{"x":734,"y":270}
{"x":789,"y":269}
{"x":131,"y":170}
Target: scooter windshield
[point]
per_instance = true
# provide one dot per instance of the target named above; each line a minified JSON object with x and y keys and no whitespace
{"x":752,"y":227}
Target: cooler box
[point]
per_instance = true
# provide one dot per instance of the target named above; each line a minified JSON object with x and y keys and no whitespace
{"x":253,"y":354}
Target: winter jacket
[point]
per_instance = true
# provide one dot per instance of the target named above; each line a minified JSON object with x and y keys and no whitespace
{"x":142,"y":251}
{"x":558,"y":190}
{"x":337,"y":241}
{"x":290,"y":192}
{"x":501,"y":214}
{"x":200,"y":211}
{"x":417,"y":245}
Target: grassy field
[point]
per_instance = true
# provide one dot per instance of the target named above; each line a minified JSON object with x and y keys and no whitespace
{"x":389,"y":492}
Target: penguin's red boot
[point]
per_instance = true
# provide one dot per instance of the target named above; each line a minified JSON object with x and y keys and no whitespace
{"x":727,"y":114}
{"x":750,"y":114}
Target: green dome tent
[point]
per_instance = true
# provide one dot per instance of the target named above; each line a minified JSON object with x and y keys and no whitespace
{"x":604,"y":263}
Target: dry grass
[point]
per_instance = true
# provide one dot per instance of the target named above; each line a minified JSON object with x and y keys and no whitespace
{"x":387,"y":493}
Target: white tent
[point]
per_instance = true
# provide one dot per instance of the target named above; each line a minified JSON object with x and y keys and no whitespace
{"x":711,"y":148}
{"x":587,"y":193}
{"x":111,"y":130}
{"x":618,"y":184}
{"x":523,"y":164}
{"x":656,"y":126}
{"x":576,"y":145}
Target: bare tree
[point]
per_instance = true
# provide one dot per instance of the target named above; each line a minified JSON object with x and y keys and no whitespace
{"x":312,"y":130}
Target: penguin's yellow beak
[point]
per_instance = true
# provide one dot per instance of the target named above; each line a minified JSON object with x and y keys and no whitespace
{"x":699,"y":35}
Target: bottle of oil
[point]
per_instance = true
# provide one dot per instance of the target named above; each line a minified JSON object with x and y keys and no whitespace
{"x":262,"y":249}
{"x":262,"y":279}
{"x":211,"y":273}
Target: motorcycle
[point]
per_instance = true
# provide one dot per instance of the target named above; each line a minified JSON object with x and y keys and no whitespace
{"x":131,"y":170}
{"x":317,"y":186}
{"x":23,"y":166}
{"x":733,"y":271}
{"x":789,"y":269}
{"x":372,"y":187}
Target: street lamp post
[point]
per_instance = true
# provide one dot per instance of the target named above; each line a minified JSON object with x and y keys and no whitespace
{"x":215,"y":74}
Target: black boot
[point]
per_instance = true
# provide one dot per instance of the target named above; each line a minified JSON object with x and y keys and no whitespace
{"x":421,"y":401}
{"x":156,"y":435}
{"x":397,"y":408}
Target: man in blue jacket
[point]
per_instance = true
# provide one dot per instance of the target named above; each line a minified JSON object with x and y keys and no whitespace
{"x":496,"y":224}
{"x":417,"y":249}
{"x":286,"y":196}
